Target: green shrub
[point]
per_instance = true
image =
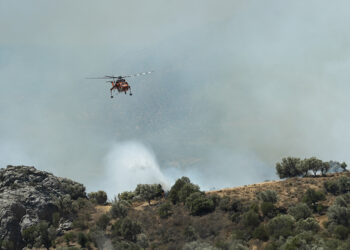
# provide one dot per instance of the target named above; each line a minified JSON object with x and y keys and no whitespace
{"x":261,"y":233}
{"x":119,"y":209}
{"x":82,"y":239}
{"x":312,"y":197}
{"x":126,"y":228}
{"x":126,"y":196}
{"x":332,"y":187}
{"x":251,"y":218}
{"x":99,"y":197}
{"x":281,"y":225}
{"x":142,"y":241}
{"x":215,"y":198}
{"x":228,"y":204}
{"x":199,"y":204}
{"x":74,"y":189}
{"x":68,"y":237}
{"x":300,"y":211}
{"x":268,"y":196}
{"x":309,"y":224}
{"x":268,"y":209}
{"x":339,"y":215}
{"x":103,"y":221}
{"x":341,"y":232}
{"x":344,"y":184}
{"x":190,"y":233}
{"x":305,"y":240}
{"x":165,"y":210}
{"x":39,"y":234}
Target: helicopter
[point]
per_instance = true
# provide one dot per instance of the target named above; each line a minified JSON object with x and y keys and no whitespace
{"x":119,"y":83}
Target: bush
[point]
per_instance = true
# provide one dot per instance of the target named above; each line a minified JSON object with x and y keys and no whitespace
{"x":190,"y":233}
{"x":99,"y":197}
{"x":300,"y":211}
{"x":267,"y":196}
{"x":344,"y":184}
{"x":68,"y":237}
{"x":227,"y":204}
{"x":199,"y":204}
{"x":268,"y":209}
{"x":119,"y":209}
{"x":39,"y":234}
{"x":82,"y":239}
{"x":215,"y":198}
{"x":165,"y":210}
{"x":341,"y":232}
{"x":126,"y":228}
{"x":339,"y":215}
{"x":142,"y":241}
{"x":103,"y":221}
{"x":149,"y":192}
{"x":197,"y":245}
{"x":309,"y":224}
{"x":126,"y":196}
{"x":281,"y":225}
{"x":174,"y":191}
{"x":74,"y":189}
{"x":313,"y":196}
{"x":303,"y":240}
{"x":261,"y":233}
{"x":250,"y":219}
{"x":332,"y":187}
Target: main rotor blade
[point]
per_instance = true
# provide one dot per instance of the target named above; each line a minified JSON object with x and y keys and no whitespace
{"x":98,"y":77}
{"x":139,"y":74}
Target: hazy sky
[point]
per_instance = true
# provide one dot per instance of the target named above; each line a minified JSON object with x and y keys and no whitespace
{"x":237,"y":86}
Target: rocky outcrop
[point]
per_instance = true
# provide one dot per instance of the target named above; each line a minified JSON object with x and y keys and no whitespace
{"x":28,"y":195}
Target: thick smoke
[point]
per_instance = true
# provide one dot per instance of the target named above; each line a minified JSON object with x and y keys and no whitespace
{"x":237,"y":86}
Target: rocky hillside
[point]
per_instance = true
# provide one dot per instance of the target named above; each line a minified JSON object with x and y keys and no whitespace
{"x":28,"y":196}
{"x":39,"y":210}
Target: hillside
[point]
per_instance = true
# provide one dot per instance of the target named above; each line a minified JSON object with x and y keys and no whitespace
{"x":296,"y":213}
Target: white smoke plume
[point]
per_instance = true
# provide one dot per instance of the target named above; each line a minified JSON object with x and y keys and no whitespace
{"x":130,"y":163}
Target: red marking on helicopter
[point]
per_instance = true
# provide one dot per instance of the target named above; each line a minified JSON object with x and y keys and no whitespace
{"x":119,"y":83}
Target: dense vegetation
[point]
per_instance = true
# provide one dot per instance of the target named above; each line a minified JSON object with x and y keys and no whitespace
{"x":309,"y":210}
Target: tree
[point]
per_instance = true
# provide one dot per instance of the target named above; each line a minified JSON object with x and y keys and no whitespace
{"x":174,"y":191}
{"x":186,"y":191}
{"x":313,"y":164}
{"x":149,"y":191}
{"x":325,"y":168}
{"x":287,"y":168}
{"x":343,"y":166}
